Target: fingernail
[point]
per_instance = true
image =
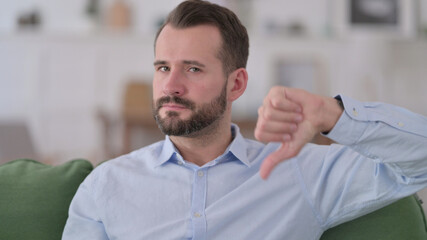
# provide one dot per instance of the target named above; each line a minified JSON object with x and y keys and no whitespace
{"x":298,"y":118}
{"x":294,"y":127}
{"x":286,"y":137}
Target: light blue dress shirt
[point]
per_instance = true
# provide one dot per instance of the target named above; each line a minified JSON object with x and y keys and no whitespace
{"x":153,"y":193}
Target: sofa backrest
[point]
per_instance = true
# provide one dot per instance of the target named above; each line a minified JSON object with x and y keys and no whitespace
{"x":34,"y":202}
{"x":34,"y":197}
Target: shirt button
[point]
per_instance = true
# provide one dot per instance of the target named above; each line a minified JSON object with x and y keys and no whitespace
{"x":180,"y":163}
{"x":197,"y":215}
{"x":355,"y":113}
{"x":200,"y":173}
{"x":400,"y":124}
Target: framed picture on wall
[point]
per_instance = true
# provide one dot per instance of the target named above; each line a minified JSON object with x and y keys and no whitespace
{"x":376,"y":12}
{"x":303,"y":73}
{"x":381,"y":18}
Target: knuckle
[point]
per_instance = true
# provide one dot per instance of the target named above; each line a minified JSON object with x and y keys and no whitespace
{"x":276,"y":88}
{"x":258,"y":135}
{"x":268,"y":115}
{"x":275,"y":102}
{"x":260,"y":111}
{"x":261,"y":126}
{"x":266,"y":101}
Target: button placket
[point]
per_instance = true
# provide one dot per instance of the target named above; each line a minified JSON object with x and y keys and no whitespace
{"x":198,"y":204}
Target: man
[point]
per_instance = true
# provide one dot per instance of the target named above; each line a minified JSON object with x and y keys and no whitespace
{"x":205,"y":181}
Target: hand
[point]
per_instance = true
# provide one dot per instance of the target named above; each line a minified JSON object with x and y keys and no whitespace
{"x":292,"y":117}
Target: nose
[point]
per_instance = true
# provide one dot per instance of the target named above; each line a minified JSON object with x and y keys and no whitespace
{"x":174,"y":85}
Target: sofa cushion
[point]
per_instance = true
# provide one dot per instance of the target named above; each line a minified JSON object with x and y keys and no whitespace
{"x":403,"y":219}
{"x":34,"y":197}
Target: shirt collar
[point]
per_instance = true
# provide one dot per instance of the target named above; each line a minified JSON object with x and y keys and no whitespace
{"x":238,"y":148}
{"x":167,"y":153}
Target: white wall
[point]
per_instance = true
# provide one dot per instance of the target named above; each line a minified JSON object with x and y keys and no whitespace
{"x":69,"y":15}
{"x":57,"y":78}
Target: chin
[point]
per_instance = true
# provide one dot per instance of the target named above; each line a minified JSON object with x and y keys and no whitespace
{"x":175,"y":115}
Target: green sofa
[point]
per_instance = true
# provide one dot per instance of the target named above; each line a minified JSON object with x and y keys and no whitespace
{"x":34,"y":200}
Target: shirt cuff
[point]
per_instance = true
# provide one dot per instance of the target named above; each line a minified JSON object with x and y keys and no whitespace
{"x":352,"y":123}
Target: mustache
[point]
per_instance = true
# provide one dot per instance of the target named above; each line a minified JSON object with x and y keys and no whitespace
{"x":174,"y":99}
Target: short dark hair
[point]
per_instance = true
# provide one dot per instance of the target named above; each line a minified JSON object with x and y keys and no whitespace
{"x":234,"y":49}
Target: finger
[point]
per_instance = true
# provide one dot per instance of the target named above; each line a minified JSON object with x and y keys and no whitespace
{"x":276,"y":127}
{"x":271,"y":137}
{"x":277,"y":97}
{"x":271,"y":114}
{"x":272,"y":160}
{"x":286,"y":151}
{"x":282,"y":103}
{"x":297,"y":96}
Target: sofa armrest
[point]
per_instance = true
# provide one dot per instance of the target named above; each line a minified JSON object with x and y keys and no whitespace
{"x":403,"y":219}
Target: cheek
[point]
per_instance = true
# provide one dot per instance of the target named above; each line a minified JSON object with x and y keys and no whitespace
{"x":157,"y":90}
{"x":203,"y":94}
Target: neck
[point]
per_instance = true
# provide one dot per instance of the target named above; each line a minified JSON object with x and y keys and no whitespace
{"x":205,"y":145}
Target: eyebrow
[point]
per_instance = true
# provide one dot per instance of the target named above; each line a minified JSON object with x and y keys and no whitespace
{"x":192,"y":62}
{"x":199,"y":64}
{"x":159,"y":62}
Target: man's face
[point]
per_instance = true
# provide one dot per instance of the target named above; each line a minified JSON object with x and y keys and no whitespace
{"x":189,"y":86}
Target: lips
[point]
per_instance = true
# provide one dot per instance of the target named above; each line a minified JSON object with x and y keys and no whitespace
{"x":173,"y":107}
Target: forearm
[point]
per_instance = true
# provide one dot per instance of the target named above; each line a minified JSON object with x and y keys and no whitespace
{"x":385,"y":133}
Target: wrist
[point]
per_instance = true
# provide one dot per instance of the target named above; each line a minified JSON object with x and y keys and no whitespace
{"x":334,"y":108}
{"x":339,"y":101}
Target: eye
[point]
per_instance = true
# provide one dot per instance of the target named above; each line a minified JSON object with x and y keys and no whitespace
{"x":163,"y":69}
{"x":194,"y":69}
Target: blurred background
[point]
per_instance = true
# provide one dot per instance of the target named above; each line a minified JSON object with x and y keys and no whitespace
{"x":75,"y":75}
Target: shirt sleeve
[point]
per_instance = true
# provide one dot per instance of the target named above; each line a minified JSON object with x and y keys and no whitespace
{"x":381,"y":156}
{"x":83,"y":221}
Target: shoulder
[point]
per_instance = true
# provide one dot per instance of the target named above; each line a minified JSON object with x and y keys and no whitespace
{"x":140,"y":159}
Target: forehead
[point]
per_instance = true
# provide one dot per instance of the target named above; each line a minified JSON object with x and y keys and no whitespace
{"x":202,"y":41}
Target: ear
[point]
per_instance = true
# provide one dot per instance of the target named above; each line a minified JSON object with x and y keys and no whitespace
{"x":237,"y":82}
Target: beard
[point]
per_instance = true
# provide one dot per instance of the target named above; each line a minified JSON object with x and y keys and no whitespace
{"x":201,"y":117}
